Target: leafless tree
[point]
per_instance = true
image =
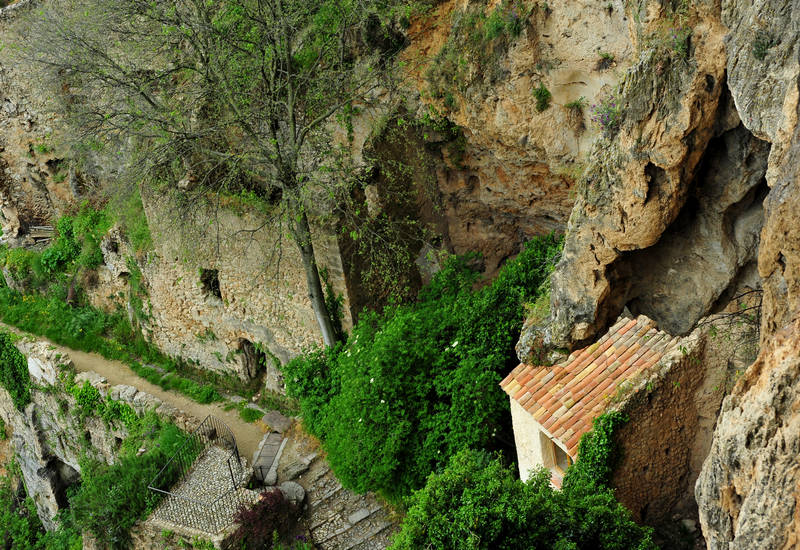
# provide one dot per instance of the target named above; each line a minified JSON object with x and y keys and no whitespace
{"x":224,"y":96}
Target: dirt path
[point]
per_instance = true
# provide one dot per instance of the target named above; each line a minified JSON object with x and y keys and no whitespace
{"x":247,"y":435}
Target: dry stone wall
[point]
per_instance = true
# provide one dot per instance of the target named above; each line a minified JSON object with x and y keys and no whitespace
{"x":668,"y":433}
{"x":221,"y":282}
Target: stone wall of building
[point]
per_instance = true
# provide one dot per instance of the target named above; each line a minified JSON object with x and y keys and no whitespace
{"x":526,"y":440}
{"x":227,"y":284}
{"x":671,"y":417}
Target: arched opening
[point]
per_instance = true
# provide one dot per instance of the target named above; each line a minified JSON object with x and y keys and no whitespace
{"x":254,"y":360}
{"x":61,"y":476}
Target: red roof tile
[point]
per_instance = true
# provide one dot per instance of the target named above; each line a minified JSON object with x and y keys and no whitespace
{"x":567,"y":397}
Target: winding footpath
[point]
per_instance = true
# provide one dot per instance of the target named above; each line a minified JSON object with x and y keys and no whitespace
{"x":247,"y":435}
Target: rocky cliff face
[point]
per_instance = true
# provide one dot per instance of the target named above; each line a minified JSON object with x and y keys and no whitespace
{"x":50,"y":436}
{"x":515,"y":177}
{"x":748,"y":490}
{"x":693,"y":198}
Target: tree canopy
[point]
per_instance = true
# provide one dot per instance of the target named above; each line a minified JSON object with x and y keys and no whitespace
{"x":225,"y":96}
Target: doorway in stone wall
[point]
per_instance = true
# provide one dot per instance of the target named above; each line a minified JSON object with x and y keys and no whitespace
{"x":254,"y":360}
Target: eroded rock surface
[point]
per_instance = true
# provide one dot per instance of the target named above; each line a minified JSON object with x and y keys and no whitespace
{"x":749,"y":488}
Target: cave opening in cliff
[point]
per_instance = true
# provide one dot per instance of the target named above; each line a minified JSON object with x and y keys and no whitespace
{"x":209,"y":279}
{"x":62,"y":477}
{"x":710,"y":250}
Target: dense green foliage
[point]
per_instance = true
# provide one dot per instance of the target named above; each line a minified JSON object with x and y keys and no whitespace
{"x":111,"y":498}
{"x":542,"y":96}
{"x":597,"y":452}
{"x":477,"y":503}
{"x":14,"y":375}
{"x":411,"y":387}
{"x":21,"y":527}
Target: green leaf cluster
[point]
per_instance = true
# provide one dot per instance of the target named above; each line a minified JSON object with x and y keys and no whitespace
{"x":415,"y":384}
{"x":477,"y":503}
{"x":14,"y":371}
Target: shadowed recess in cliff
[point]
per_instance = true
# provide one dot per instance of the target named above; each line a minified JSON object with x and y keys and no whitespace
{"x":62,"y":477}
{"x":712,"y":244}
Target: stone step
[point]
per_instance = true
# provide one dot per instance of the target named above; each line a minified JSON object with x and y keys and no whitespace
{"x":365,"y":530}
{"x":266,"y":454}
{"x":342,"y":520}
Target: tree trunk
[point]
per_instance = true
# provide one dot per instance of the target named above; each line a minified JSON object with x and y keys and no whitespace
{"x":302,"y":235}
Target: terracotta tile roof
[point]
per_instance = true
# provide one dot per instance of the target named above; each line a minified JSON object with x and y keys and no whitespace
{"x":567,"y":397}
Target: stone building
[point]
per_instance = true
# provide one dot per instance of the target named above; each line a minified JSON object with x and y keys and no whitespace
{"x":552,"y":407}
{"x":669,"y":388}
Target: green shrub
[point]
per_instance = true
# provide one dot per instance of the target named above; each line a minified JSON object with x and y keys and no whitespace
{"x":577,"y":105}
{"x":25,"y":266}
{"x":409,"y":388}
{"x":250,"y":415}
{"x":14,"y":372}
{"x":87,"y":399}
{"x":21,"y":528}
{"x":543,"y":97}
{"x":598,"y":453}
{"x":762,"y":42}
{"x":477,"y":503}
{"x":111,"y":498}
{"x":608,"y":114}
{"x":605,"y":61}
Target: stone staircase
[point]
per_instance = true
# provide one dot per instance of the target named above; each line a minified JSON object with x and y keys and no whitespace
{"x":203,"y":502}
{"x":339,"y":519}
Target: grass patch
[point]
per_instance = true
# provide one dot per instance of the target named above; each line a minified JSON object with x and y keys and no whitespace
{"x":543,"y":97}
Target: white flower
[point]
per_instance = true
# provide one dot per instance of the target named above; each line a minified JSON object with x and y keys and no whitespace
{"x":359,"y":419}
{"x":382,"y":401}
{"x":455,"y":343}
{"x":371,"y":380}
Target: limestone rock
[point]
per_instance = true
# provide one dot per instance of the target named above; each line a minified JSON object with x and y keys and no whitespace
{"x":293,"y":492}
{"x":747,"y":491}
{"x":637,"y":184}
{"x":277,"y":421}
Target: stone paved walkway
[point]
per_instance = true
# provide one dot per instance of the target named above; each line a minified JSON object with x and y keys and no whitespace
{"x":205,"y":500}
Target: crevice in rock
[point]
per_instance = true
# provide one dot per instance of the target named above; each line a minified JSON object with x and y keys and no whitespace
{"x":711,"y":248}
{"x":253,"y":359}
{"x":61,"y":476}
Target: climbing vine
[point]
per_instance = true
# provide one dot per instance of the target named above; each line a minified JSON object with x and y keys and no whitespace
{"x":598,"y":454}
